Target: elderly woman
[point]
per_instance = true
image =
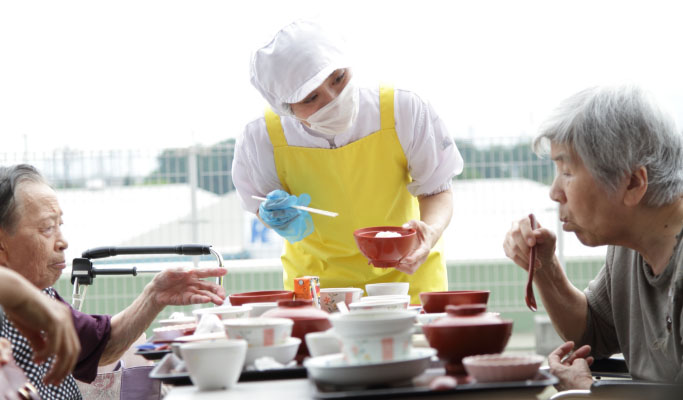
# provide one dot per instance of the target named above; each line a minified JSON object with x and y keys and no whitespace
{"x":619,"y":183}
{"x":377,"y":156}
{"x":32,"y":244}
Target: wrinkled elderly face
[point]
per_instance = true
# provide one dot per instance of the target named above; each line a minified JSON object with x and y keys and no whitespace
{"x":586,"y":207}
{"x":36,"y":247}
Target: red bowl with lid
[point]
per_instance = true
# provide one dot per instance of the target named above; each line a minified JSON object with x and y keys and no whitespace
{"x":436,"y":302}
{"x":264,"y":296}
{"x":385,"y":252}
{"x":467,"y":330}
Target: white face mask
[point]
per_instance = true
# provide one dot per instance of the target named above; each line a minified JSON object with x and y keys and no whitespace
{"x":338,"y":115}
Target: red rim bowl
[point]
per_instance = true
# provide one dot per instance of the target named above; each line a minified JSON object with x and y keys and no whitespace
{"x":264,"y":296}
{"x":385,"y":252}
{"x":436,"y":302}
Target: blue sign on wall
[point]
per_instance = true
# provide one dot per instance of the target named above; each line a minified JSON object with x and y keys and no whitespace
{"x":259,"y":232}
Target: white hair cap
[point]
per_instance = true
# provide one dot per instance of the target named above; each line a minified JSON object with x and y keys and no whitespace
{"x":298,"y":60}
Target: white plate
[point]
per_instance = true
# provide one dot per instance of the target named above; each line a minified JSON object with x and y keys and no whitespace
{"x":201,"y":337}
{"x":282,"y":353}
{"x":333,"y":369}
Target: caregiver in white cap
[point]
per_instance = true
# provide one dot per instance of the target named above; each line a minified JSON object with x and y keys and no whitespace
{"x":376,"y":156}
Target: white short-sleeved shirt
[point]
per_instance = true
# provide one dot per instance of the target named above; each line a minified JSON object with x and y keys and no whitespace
{"x":433,"y":159}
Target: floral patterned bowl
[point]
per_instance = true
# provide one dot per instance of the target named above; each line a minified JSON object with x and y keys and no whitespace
{"x":378,"y":348}
{"x":329,"y":297}
{"x":261,"y":332}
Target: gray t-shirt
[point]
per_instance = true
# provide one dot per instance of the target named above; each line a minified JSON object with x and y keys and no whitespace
{"x":633,"y":312}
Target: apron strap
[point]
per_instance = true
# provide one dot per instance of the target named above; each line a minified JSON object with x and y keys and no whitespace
{"x":274,"y":127}
{"x":386,"y":107}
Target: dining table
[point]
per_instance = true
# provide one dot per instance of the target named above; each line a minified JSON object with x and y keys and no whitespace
{"x":305,"y":388}
{"x":296,"y":385}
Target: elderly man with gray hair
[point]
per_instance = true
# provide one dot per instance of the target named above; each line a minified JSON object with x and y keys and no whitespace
{"x":619,"y":183}
{"x":32,"y":245}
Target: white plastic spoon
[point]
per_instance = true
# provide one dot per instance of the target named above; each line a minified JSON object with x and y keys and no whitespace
{"x":309,"y":209}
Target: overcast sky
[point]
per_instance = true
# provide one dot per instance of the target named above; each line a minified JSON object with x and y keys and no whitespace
{"x":137,"y":74}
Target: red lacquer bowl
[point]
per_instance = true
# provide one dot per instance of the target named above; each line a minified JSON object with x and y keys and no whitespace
{"x":466,"y":331}
{"x":265,"y":296}
{"x":436,"y":302}
{"x":385,"y":252}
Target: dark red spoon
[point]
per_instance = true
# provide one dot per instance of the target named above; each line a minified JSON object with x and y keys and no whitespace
{"x":530,"y":299}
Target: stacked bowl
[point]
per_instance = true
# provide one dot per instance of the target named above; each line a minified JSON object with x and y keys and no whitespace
{"x":465,"y":331}
{"x":265,"y":337}
{"x":374,"y":336}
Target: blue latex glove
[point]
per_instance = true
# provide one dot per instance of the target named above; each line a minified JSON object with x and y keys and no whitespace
{"x":288,"y":222}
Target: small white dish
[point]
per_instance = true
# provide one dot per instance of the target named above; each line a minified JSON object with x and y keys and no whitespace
{"x":201,"y":337}
{"x":282,"y":353}
{"x":171,"y":332}
{"x":382,"y":304}
{"x":334,"y":369}
{"x":502,"y":367}
{"x":178,"y":321}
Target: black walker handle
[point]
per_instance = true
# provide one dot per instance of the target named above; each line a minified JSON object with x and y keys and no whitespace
{"x":183,"y":249}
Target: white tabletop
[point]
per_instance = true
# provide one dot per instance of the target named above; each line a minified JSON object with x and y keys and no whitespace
{"x":286,"y":389}
{"x":261,"y":390}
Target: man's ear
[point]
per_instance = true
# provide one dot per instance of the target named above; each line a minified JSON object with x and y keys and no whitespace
{"x":636,"y":187}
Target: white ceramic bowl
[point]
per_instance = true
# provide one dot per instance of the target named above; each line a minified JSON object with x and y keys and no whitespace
{"x":380,"y":304}
{"x":502,"y":367}
{"x":224,"y":312}
{"x":282,"y":353}
{"x":364,"y":323}
{"x":214,"y":365}
{"x":377,"y":289}
{"x":329,"y":297}
{"x":259,"y":308}
{"x":377,"y":348}
{"x":259,"y":331}
{"x":386,"y":297}
{"x":322,"y":343}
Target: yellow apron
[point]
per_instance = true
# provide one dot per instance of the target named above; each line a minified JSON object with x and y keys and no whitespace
{"x":365,"y":182}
